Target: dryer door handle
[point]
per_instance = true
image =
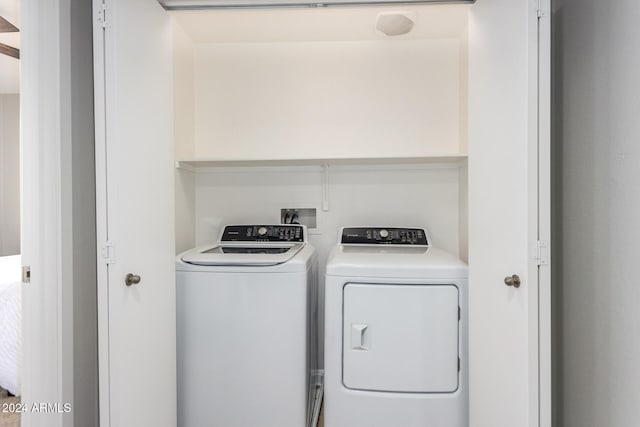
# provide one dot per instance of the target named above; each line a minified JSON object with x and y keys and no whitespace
{"x":359,"y":337}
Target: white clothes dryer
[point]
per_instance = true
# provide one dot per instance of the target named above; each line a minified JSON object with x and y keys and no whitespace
{"x":246,"y":329}
{"x":395,"y":331}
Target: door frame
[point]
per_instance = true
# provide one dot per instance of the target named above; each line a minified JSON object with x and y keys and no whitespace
{"x":99,"y":86}
{"x":46,"y":335}
{"x":540,"y":339}
{"x":47,"y":315}
{"x":53,"y":223}
{"x":539,"y":196}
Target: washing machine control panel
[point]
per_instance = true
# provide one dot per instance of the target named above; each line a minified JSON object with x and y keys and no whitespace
{"x":263,"y":233}
{"x":384,"y":236}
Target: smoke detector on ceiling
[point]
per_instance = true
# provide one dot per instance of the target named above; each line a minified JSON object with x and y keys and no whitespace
{"x":395,"y":23}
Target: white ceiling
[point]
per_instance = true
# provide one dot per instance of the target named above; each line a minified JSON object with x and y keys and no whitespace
{"x":10,"y":67}
{"x":324,"y":24}
{"x":270,"y":26}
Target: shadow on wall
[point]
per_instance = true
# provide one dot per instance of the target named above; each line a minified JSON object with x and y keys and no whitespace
{"x":596,"y":211}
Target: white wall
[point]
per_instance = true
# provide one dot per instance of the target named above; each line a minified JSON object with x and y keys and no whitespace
{"x":183,"y":128}
{"x":597,"y":212}
{"x":44,"y":372}
{"x":9,"y":174}
{"x":420,"y":195}
{"x":327,"y":99}
{"x":329,"y":87}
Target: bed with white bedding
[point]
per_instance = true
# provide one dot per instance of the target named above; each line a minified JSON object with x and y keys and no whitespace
{"x":10,"y":323}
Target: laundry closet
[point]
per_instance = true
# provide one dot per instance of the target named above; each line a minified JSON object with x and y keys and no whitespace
{"x":212,"y":116}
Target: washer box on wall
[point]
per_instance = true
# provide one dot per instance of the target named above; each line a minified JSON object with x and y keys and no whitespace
{"x":304,"y":216}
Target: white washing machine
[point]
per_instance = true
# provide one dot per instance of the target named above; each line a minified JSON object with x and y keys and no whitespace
{"x":246,"y":329}
{"x":395,"y":332}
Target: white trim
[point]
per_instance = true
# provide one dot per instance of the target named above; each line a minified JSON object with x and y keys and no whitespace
{"x":43,"y":375}
{"x":102,"y":236}
{"x":277,"y":4}
{"x":539,"y":215}
{"x":65,"y":220}
{"x":319,"y":168}
{"x":544,"y":211}
{"x":532,"y":289}
{"x":277,"y":164}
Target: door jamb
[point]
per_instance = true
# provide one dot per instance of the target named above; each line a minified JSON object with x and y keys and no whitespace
{"x":102,"y":237}
{"x":539,"y":232}
{"x":544,"y":212}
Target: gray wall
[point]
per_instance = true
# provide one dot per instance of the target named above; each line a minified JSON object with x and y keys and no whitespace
{"x":9,"y":174}
{"x":78,"y":204}
{"x":596,"y":182}
{"x":85,"y":325}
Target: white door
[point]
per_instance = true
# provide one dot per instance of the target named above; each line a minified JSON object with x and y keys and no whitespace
{"x":505,"y":210}
{"x":134,"y":167}
{"x":390,"y":351}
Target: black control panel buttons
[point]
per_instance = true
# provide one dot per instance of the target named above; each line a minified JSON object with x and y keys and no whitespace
{"x":263,"y":233}
{"x":384,"y":236}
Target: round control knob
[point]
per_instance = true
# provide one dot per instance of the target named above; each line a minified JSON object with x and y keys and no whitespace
{"x":384,"y":233}
{"x":262,"y":231}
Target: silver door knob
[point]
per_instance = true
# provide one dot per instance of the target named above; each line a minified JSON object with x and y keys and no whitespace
{"x":513,"y":280}
{"x":131,"y":279}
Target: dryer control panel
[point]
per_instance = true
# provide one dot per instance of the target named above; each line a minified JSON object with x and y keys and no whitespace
{"x":384,"y":236}
{"x":263,"y":233}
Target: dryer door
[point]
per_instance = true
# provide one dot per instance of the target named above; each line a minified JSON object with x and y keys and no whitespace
{"x":400,"y":338}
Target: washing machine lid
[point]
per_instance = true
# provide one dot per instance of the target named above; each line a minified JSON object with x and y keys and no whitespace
{"x":251,"y":245}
